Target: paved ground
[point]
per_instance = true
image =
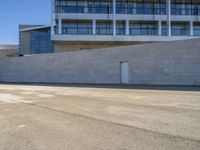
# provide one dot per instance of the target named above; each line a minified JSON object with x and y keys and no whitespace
{"x":89,"y":118}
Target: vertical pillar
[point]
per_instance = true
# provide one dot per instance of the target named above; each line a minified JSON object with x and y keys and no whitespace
{"x":114,"y":17}
{"x":159,"y":27}
{"x":168,"y":12}
{"x":52,"y":17}
{"x":134,"y":9}
{"x":93,"y":26}
{"x":85,"y":7}
{"x":183,"y":7}
{"x":127,"y":27}
{"x":53,"y":24}
{"x":60,"y":26}
{"x":191,"y":28}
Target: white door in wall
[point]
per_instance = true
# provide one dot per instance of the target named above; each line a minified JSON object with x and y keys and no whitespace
{"x":124,"y":67}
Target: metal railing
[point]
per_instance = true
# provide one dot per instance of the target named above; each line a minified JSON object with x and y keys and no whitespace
{"x":82,"y":9}
{"x":140,"y":10}
{"x":143,"y":31}
{"x":180,"y":32}
{"x":177,"y":32}
{"x":126,"y":10}
{"x":104,"y":31}
{"x":122,"y":31}
{"x":196,"y":32}
{"x":74,"y":30}
{"x":185,"y":11}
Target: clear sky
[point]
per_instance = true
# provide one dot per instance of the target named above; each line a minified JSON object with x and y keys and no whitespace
{"x":15,"y":12}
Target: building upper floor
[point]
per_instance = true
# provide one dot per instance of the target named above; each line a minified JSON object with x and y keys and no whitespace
{"x":150,"y":7}
{"x":105,"y":27}
{"x":125,"y":20}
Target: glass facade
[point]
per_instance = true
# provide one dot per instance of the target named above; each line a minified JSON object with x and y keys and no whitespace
{"x":180,"y":29}
{"x":156,"y":7}
{"x":143,"y":28}
{"x":41,"y":42}
{"x":146,"y":26}
{"x":104,"y":28}
{"x":164,"y":28}
{"x":196,"y":29}
{"x":80,"y":6}
{"x":121,"y":28}
{"x":77,"y":27}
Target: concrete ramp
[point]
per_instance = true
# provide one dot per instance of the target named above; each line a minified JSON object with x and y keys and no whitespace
{"x":168,"y":63}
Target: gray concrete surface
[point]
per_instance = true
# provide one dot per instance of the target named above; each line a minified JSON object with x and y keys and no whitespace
{"x":169,"y":63}
{"x":36,"y":117}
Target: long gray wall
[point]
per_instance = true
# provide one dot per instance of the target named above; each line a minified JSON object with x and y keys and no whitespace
{"x":169,"y":63}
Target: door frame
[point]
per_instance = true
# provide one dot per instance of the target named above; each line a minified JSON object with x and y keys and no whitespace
{"x":121,"y":82}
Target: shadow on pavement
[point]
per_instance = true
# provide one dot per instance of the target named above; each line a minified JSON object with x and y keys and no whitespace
{"x":113,"y":86}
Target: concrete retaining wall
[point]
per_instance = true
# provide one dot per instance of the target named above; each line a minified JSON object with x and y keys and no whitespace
{"x":169,"y":63}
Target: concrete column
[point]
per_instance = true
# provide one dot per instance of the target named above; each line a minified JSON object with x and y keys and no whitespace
{"x":60,"y":26}
{"x":93,"y":26}
{"x":134,"y":11}
{"x":52,"y":17}
{"x":114,"y":17}
{"x":168,"y":12}
{"x":159,"y":27}
{"x":85,"y":7}
{"x":127,"y":27}
{"x":53,"y":25}
{"x":191,"y":28}
{"x":183,"y":7}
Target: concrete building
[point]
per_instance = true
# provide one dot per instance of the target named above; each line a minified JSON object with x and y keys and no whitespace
{"x":35,"y":39}
{"x":9,"y":50}
{"x":85,"y":24}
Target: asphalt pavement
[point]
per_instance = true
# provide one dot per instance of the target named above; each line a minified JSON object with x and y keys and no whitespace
{"x":47,"y":117}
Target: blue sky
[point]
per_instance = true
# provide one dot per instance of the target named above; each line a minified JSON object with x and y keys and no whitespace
{"x":15,"y":12}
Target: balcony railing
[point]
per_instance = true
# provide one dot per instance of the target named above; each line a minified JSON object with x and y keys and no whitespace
{"x":127,"y":10}
{"x":186,"y":11}
{"x":85,"y":31}
{"x":120,"y":31}
{"x":140,"y":10}
{"x":180,"y":32}
{"x":99,"y":10}
{"x":82,"y":9}
{"x":144,"y":31}
{"x":164,"y":31}
{"x":104,"y":31}
{"x":177,"y":32}
{"x":196,"y":32}
{"x":73,"y":30}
